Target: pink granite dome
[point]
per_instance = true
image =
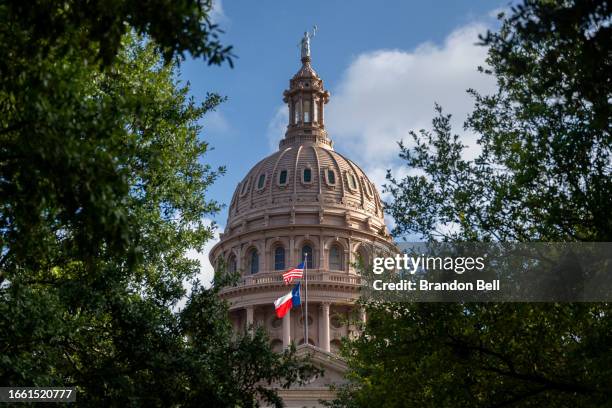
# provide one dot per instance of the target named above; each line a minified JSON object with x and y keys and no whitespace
{"x":306,"y":181}
{"x":306,"y":173}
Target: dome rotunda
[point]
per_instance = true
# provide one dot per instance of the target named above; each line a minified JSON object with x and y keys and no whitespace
{"x":309,"y":175}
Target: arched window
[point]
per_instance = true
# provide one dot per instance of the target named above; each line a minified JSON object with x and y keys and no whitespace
{"x":307,"y":175}
{"x":279,"y":258}
{"x":335,"y":258}
{"x":307,"y":250}
{"x":254,"y":261}
{"x":231,"y":264}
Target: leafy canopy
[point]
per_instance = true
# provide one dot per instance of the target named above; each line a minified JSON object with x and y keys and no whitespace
{"x":543,"y":174}
{"x":103,"y":189}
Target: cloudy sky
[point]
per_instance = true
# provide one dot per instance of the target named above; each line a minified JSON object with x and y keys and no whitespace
{"x":385,"y":64}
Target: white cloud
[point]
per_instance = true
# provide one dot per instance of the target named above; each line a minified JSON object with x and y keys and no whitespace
{"x":277,"y":127}
{"x":207,"y":272}
{"x":216,"y":122}
{"x":384,"y":94}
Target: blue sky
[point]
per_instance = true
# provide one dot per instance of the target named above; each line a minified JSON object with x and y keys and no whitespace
{"x":385,"y":64}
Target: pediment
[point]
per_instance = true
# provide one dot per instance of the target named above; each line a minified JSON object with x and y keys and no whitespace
{"x":333,"y":366}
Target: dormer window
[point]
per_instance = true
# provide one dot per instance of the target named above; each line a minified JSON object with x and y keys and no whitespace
{"x":307,"y":175}
{"x":368,"y":187}
{"x":261,"y":182}
{"x":282,"y":178}
{"x":245,"y":187}
{"x":330,"y":177}
{"x":352,"y":181}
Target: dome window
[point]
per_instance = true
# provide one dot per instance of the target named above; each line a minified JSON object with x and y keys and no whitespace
{"x":352,"y":181}
{"x":330,"y":177}
{"x":261,"y":182}
{"x":282,"y":178}
{"x":368,"y":187}
{"x":279,"y":258}
{"x":307,"y":175}
{"x":245,"y":187}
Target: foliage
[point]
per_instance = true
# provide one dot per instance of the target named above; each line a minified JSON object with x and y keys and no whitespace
{"x":481,"y":355}
{"x":176,"y":26}
{"x":103,"y":189}
{"x":544,"y":171}
{"x":543,"y":174}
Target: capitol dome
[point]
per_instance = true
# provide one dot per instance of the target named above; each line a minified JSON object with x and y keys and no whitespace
{"x":307,"y":174}
{"x":306,"y":170}
{"x":305,"y":203}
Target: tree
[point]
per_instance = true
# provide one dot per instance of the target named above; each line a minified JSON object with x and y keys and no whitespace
{"x":544,"y":170}
{"x":543,"y":174}
{"x":103,"y":188}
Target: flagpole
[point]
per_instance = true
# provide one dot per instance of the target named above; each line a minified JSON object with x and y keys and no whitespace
{"x":306,"y":294}
{"x":302,"y":307}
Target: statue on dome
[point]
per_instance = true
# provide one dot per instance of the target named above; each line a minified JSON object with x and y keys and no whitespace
{"x":306,"y":42}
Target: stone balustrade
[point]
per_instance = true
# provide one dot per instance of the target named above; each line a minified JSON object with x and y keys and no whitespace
{"x":315,"y":275}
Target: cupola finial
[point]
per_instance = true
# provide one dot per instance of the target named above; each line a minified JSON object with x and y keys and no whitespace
{"x":306,"y":98}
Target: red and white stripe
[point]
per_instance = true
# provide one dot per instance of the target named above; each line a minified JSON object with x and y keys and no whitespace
{"x":295,"y":273}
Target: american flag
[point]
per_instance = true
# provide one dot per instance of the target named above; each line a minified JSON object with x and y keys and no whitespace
{"x":296,"y":273}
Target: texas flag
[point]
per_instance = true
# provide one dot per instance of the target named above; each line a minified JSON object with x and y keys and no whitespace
{"x":296,"y":273}
{"x":284,"y":303}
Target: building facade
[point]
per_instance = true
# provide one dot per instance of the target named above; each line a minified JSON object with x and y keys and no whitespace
{"x":304,"y":203}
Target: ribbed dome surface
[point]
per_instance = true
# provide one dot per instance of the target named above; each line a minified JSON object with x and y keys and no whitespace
{"x":282,"y":179}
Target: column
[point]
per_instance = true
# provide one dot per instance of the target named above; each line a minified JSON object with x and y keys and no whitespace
{"x":292,"y":262}
{"x":239,"y":256}
{"x":322,"y":252}
{"x":266,"y":262}
{"x":321,"y":102}
{"x":249,"y":316}
{"x":287,"y":329}
{"x":324,"y":326}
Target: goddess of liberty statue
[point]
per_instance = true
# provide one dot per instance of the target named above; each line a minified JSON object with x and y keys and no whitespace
{"x":306,"y":42}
